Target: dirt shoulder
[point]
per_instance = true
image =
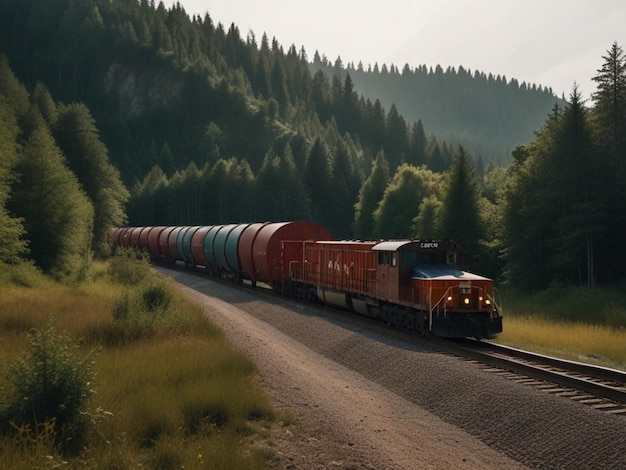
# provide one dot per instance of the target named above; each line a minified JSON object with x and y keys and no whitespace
{"x":346,"y":420}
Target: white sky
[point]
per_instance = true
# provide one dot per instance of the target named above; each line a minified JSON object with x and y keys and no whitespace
{"x":553,"y":43}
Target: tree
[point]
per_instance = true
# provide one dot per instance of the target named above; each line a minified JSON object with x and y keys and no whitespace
{"x":146,"y":206}
{"x":280,"y":191}
{"x":13,"y":247}
{"x":397,"y":142}
{"x":610,"y":105}
{"x":608,"y":118}
{"x":58,"y":215}
{"x":417,"y":147}
{"x":318,"y":179}
{"x":580,"y":208}
{"x":460,"y":218}
{"x":345,"y":186}
{"x":425,"y":223}
{"x":554,"y":208}
{"x":76,"y":133}
{"x":370,"y":194}
{"x":393,"y":218}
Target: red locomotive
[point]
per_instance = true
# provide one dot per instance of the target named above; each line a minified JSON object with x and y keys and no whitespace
{"x":417,"y":285}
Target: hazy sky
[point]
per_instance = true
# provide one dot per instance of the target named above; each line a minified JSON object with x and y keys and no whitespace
{"x":553,"y":43}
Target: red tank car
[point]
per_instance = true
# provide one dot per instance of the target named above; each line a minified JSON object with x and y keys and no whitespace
{"x":268,"y":252}
{"x":421,"y":285}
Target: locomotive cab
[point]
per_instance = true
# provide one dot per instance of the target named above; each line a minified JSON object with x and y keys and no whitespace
{"x":426,"y":276}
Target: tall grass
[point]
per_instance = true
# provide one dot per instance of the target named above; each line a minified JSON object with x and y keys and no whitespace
{"x":582,"y":324}
{"x":173,"y":395}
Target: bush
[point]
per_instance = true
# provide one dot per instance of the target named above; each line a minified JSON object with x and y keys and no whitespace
{"x":140,"y":310}
{"x":24,"y":274}
{"x":50,"y":390}
{"x":129,"y":267}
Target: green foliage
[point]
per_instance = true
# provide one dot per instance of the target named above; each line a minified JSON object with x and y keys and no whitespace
{"x":460,"y":217}
{"x":556,"y":205}
{"x":280,"y":191}
{"x":13,"y":246}
{"x":58,"y":222}
{"x":128,"y":267}
{"x":370,"y":194}
{"x":76,"y":134}
{"x":425,"y":223}
{"x":182,"y":397}
{"x":318,"y":178}
{"x":401,"y":201}
{"x":598,"y":306}
{"x":212,"y":128}
{"x":140,"y":311}
{"x":23,"y":274}
{"x":486,"y":114}
{"x":50,"y":388}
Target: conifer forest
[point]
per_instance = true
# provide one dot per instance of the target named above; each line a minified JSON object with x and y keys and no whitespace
{"x":126,"y":112}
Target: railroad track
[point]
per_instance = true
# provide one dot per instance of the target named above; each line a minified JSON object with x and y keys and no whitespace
{"x":600,"y":387}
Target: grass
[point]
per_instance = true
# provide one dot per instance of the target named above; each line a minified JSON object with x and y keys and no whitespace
{"x":178,"y":395}
{"x":581,"y":324}
{"x":171,"y":392}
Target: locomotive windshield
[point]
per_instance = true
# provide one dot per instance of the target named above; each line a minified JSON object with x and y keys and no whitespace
{"x":436,"y":270}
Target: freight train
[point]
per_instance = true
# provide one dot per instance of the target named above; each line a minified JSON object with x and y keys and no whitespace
{"x":418,"y":285}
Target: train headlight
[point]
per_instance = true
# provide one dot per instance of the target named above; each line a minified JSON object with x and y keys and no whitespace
{"x":449,"y":298}
{"x":487,"y":302}
{"x":466,"y":300}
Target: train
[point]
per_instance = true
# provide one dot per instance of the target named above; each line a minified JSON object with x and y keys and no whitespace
{"x":417,"y":285}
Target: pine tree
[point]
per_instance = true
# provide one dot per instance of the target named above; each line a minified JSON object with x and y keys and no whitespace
{"x":13,"y":247}
{"x":417,"y":153}
{"x":318,"y":179}
{"x":610,"y":105}
{"x":58,"y":215}
{"x":460,"y":218}
{"x":76,"y":133}
{"x":370,"y":195}
{"x":577,"y":181}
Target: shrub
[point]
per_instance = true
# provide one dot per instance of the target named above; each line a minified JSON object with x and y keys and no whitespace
{"x":24,"y":274}
{"x":129,"y":267}
{"x":140,"y":310}
{"x":50,"y":390}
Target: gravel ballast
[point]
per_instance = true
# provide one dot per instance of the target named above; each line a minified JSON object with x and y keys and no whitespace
{"x":365,"y":399}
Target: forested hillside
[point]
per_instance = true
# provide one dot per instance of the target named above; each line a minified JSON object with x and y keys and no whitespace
{"x":208,"y":127}
{"x":489,"y":115}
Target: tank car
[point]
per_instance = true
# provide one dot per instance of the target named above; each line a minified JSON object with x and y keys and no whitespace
{"x":421,"y":285}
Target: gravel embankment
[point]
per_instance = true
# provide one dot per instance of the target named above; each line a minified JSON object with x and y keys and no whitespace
{"x":367,"y":400}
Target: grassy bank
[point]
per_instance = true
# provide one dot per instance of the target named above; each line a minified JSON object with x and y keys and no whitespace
{"x":166,"y":389}
{"x":581,"y":324}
